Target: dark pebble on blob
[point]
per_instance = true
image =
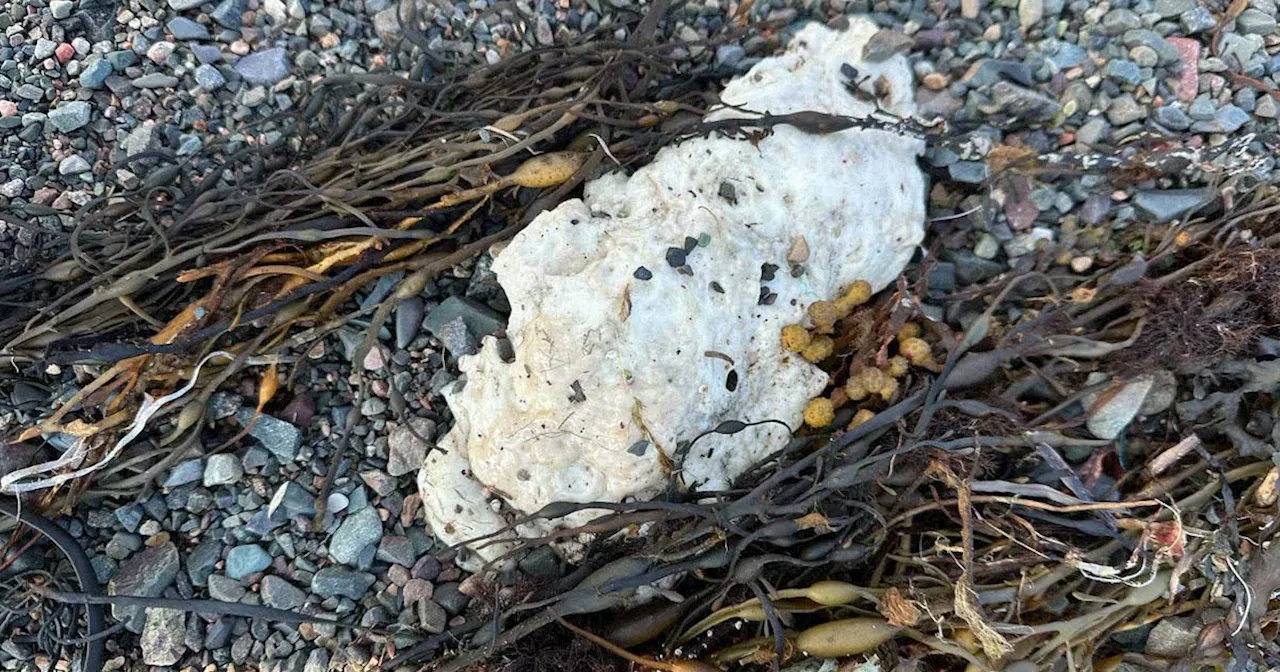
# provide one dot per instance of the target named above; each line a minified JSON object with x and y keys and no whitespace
{"x":731,"y":381}
{"x":676,"y":257}
{"x":643,"y":273}
{"x":689,"y":244}
{"x":728,"y":193}
{"x":685,"y":270}
{"x":715,"y":287}
{"x":767,"y":271}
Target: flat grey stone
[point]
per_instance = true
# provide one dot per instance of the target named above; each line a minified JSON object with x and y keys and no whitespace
{"x":340,"y":582}
{"x":291,"y":499}
{"x":183,"y":28}
{"x":228,"y":13}
{"x":264,"y":67}
{"x":164,"y":637}
{"x":146,"y":573}
{"x":280,"y":594}
{"x":397,"y":551}
{"x":222,"y":469}
{"x":1256,"y":22}
{"x":1171,"y":8}
{"x":206,"y":54}
{"x":408,"y":320}
{"x":245,"y":560}
{"x":95,"y":73}
{"x":209,"y":77}
{"x":1228,"y":119}
{"x":60,"y":9}
{"x":406,"y":451}
{"x":1167,"y":204}
{"x":70,"y":116}
{"x":202,"y":560}
{"x":184,"y":5}
{"x":1172,"y":117}
{"x":479,"y":318}
{"x":155,"y":80}
{"x":73,"y":165}
{"x":358,"y":530}
{"x":225,"y":590}
{"x":276,"y":435}
{"x":1173,"y":637}
{"x":188,"y":471}
{"x":1108,"y":418}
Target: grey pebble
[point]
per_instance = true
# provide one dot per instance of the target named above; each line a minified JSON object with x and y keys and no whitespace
{"x":73,"y":165}
{"x":1164,"y":205}
{"x":155,"y":80}
{"x":60,"y":9}
{"x":95,"y":73}
{"x":409,"y":315}
{"x":1125,"y":109}
{"x":276,"y":435}
{"x":1172,"y":117}
{"x":202,"y":560}
{"x":406,"y":451}
{"x":245,"y":560}
{"x":337,"y":581}
{"x":222,"y":469}
{"x":185,"y":472}
{"x":1171,"y":8}
{"x":228,"y":13}
{"x":224,"y":589}
{"x":360,"y":529}
{"x":209,"y":77}
{"x":183,"y":28}
{"x":164,"y":637}
{"x":71,"y":116}
{"x":206,"y":54}
{"x":1254,"y":21}
{"x":1198,"y":20}
{"x":280,"y":594}
{"x":451,"y":598}
{"x":264,"y":67}
{"x":146,"y":573}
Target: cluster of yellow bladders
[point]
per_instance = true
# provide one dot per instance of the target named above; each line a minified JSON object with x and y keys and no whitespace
{"x":815,"y":344}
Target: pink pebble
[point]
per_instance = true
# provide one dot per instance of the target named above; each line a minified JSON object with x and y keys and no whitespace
{"x":1189,"y":78}
{"x":64,"y":52}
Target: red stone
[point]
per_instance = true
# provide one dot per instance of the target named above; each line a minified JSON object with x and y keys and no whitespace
{"x":1189,"y":77}
{"x":64,"y":52}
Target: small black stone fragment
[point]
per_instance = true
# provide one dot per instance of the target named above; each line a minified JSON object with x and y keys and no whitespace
{"x":676,"y":257}
{"x":764,"y":293}
{"x":767,"y":271}
{"x":639,"y":448}
{"x":642,"y":273}
{"x":797,"y":270}
{"x":685,"y":270}
{"x":731,"y":381}
{"x":690,"y":243}
{"x":715,"y":287}
{"x":728,"y":193}
{"x":768,"y":300}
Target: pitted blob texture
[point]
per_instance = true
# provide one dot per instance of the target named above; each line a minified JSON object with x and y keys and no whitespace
{"x":654,"y":357}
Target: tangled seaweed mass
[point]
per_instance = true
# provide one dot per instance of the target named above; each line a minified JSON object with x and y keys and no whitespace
{"x":1070,"y":456}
